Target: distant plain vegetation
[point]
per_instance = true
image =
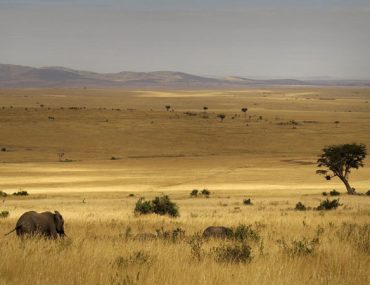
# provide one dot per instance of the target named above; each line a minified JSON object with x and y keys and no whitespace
{"x":267,"y":154}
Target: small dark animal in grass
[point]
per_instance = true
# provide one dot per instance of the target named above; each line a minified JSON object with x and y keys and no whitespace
{"x":47,"y":224}
{"x":217,"y":232}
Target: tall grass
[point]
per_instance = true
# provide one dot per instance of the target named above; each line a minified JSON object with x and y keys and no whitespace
{"x":101,"y":248}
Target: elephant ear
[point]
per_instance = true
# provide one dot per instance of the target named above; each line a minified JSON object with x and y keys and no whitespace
{"x":58,"y":220}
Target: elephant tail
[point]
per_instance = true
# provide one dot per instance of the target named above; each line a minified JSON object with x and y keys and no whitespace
{"x":12,"y":230}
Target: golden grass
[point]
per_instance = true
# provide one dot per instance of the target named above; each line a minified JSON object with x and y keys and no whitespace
{"x":98,"y":251}
{"x":265,"y":159}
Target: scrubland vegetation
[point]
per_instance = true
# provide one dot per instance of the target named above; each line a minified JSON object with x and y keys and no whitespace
{"x":271,"y":241}
{"x":252,"y":170}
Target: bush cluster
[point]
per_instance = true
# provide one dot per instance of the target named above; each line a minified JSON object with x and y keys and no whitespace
{"x":300,"y":207}
{"x":205,"y":193}
{"x":329,"y":205}
{"x":21,"y":193}
{"x":159,"y":205}
{"x":3,"y":194}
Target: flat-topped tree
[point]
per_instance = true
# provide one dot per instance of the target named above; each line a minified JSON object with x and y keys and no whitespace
{"x":244,"y":110}
{"x":339,"y":160}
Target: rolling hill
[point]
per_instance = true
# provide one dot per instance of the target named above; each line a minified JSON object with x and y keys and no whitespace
{"x":16,"y":76}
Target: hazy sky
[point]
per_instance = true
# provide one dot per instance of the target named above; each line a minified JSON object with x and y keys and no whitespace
{"x":271,"y":38}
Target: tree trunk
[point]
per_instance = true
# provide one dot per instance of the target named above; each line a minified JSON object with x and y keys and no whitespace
{"x":348,"y":187}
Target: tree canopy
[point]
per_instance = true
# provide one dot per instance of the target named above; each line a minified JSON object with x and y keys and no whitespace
{"x":340,"y":159}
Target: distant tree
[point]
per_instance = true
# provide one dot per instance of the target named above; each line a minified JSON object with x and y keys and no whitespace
{"x":339,"y":160}
{"x":221,"y":117}
{"x":205,"y":108}
{"x":244,"y":110}
{"x":168,"y":107}
{"x":336,"y":123}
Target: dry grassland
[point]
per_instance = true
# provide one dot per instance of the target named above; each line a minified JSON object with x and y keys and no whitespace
{"x":268,"y":155}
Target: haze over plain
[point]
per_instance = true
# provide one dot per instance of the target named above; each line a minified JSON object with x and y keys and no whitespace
{"x":294,"y":39}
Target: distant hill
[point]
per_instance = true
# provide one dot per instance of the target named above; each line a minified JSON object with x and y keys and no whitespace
{"x":15,"y":76}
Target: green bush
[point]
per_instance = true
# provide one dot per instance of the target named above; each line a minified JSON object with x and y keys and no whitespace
{"x":329,"y":205}
{"x":246,"y":233}
{"x":334,"y":193}
{"x":163,"y":205}
{"x":194,"y":193}
{"x":159,"y":205}
{"x":300,"y":207}
{"x":247,"y":202}
{"x":3,"y":194}
{"x":21,"y":193}
{"x":144,"y":207}
{"x":234,"y":253}
{"x":4,"y":214}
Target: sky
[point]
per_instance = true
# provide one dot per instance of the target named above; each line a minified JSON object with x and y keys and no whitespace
{"x":251,"y":38}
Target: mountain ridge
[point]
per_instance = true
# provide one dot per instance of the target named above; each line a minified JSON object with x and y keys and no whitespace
{"x":18,"y":76}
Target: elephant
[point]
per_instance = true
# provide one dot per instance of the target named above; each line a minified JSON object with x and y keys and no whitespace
{"x":47,"y":224}
{"x":217,"y":232}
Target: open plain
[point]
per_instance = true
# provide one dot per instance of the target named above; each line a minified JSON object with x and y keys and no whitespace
{"x":83,"y":152}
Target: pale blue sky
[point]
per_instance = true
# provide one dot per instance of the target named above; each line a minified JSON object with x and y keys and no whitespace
{"x":271,"y":38}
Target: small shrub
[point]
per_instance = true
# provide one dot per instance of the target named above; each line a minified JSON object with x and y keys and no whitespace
{"x":194,"y":193}
{"x":21,"y":193}
{"x":3,"y":149}
{"x":3,"y":194}
{"x":300,"y":207}
{"x":334,"y":193}
{"x":196,"y":246}
{"x":221,"y":117}
{"x":247,"y":202}
{"x":329,"y":205}
{"x":299,"y":247}
{"x":246,"y":233}
{"x":324,"y":194}
{"x":206,"y":193}
{"x":174,"y":235}
{"x":4,"y":214}
{"x":234,"y":253}
{"x":131,"y":195}
{"x":368,"y":193}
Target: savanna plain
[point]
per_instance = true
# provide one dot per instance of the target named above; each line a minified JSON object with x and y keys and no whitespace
{"x":91,"y":154}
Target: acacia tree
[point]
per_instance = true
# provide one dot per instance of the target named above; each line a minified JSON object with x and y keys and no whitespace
{"x":339,"y":160}
{"x":244,"y":110}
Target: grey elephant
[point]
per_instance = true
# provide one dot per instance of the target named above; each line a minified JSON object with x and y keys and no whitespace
{"x":47,"y":224}
{"x":218,"y":232}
